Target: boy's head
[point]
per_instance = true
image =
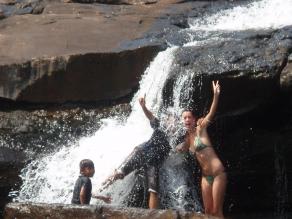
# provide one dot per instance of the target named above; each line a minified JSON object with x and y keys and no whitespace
{"x":87,"y":167}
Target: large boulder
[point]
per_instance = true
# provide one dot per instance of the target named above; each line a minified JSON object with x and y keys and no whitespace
{"x":248,"y":65}
{"x":76,"y":78}
{"x":84,"y":52}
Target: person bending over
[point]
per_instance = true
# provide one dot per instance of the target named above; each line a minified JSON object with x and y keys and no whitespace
{"x":149,"y":155}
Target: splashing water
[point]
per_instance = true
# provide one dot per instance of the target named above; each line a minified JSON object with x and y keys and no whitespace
{"x":51,"y":179}
{"x":263,"y":14}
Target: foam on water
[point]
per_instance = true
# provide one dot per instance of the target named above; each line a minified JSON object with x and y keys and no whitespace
{"x":263,"y":14}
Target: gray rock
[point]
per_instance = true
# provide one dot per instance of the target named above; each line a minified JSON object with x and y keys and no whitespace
{"x":244,"y":63}
{"x":59,"y":211}
{"x":286,"y":76}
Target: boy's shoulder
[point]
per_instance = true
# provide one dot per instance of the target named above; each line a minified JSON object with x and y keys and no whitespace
{"x":83,"y":179}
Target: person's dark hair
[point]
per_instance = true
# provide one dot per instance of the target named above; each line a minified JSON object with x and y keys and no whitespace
{"x":188,"y":110}
{"x":86,"y":163}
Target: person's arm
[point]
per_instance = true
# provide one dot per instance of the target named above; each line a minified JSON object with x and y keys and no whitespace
{"x":82,"y":195}
{"x":209,"y":117}
{"x":106,"y":199}
{"x":146,"y":111}
{"x":185,"y":145}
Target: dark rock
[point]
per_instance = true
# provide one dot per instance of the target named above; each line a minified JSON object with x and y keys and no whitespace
{"x":11,"y":8}
{"x":11,"y":162}
{"x":107,"y":77}
{"x":286,"y":77}
{"x":8,"y":2}
{"x":243,"y":64}
{"x":10,"y":158}
{"x":1,"y":14}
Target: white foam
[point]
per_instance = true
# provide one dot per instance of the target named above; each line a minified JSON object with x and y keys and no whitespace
{"x":265,"y":14}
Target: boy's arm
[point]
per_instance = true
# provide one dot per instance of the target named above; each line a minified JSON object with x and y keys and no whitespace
{"x":146,"y":111}
{"x":106,"y":199}
{"x":209,"y":117}
{"x":82,"y":195}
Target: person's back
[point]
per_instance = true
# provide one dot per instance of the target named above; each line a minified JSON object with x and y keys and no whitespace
{"x":82,"y":182}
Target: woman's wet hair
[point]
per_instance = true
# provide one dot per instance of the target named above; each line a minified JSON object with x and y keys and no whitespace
{"x":188,"y":110}
{"x":86,"y":163}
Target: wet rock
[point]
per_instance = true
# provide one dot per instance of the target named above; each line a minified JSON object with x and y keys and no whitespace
{"x":119,"y":2}
{"x":11,"y":8}
{"x":59,"y":211}
{"x":11,"y":162}
{"x":68,"y":35}
{"x":249,"y":61}
{"x":1,"y":14}
{"x":110,"y":72}
{"x":286,"y":77}
{"x":10,"y":158}
{"x":252,"y":134}
{"x":8,"y":2}
{"x":107,"y":77}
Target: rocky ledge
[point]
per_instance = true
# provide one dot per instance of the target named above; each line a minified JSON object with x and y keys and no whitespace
{"x":76,"y":52}
{"x":59,"y":211}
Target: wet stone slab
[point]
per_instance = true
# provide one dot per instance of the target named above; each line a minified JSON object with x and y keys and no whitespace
{"x":60,"y":211}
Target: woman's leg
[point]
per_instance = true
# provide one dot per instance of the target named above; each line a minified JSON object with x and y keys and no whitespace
{"x":207,"y":195}
{"x":218,"y":191}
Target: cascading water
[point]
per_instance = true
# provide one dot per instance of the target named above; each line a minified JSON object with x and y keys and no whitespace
{"x":51,"y":178}
{"x":263,"y":14}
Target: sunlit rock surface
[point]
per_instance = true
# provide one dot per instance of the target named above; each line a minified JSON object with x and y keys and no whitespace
{"x":57,"y":211}
{"x":85,"y":52}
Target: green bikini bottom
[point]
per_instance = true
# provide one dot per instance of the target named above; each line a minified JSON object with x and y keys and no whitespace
{"x":210,"y":179}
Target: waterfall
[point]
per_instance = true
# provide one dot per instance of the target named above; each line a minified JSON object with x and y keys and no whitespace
{"x":51,"y":178}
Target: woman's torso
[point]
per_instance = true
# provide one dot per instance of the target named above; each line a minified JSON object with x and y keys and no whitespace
{"x":201,"y":147}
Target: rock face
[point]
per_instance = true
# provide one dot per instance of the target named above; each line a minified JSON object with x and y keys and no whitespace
{"x":242,"y":63}
{"x":11,"y":162}
{"x":89,"y":42}
{"x":78,"y":78}
{"x":54,"y":211}
{"x":83,"y":52}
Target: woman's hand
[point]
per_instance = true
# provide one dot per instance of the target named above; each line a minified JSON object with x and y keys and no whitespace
{"x":216,"y":88}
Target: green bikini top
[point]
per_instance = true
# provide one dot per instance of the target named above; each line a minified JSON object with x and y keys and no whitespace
{"x":199,"y":144}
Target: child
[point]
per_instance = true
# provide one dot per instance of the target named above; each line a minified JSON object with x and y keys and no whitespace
{"x":82,"y":189}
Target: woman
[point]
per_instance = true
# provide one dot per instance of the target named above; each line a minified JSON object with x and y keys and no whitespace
{"x":214,"y":178}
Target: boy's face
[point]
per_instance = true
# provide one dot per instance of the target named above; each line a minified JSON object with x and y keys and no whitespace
{"x":189,"y":120}
{"x":88,"y":171}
